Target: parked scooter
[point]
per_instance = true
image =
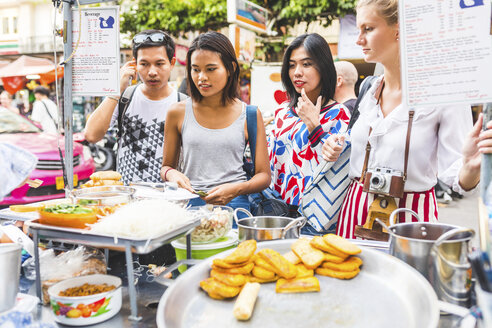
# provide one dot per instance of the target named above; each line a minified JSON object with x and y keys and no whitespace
{"x":103,"y":152}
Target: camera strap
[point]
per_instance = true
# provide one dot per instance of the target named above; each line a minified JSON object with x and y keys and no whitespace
{"x":411,"y":113}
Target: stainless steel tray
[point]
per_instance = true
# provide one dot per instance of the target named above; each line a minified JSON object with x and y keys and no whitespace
{"x":386,"y":293}
{"x":86,"y":237}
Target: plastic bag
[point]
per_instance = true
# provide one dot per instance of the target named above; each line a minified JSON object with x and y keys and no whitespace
{"x":81,"y":261}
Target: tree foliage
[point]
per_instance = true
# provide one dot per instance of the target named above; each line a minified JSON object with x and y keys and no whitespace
{"x":176,"y":16}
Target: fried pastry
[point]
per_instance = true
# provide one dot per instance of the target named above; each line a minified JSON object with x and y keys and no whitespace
{"x":252,"y":278}
{"x":298,"y":285}
{"x":235,"y":280}
{"x":292,"y":258}
{"x":245,"y":269}
{"x":221,"y":264}
{"x":319,"y":243}
{"x":216,"y":288}
{"x":337,"y":274}
{"x":259,"y":261}
{"x":262,"y":273}
{"x":105,"y":175}
{"x":341,"y":244}
{"x":333,"y":258}
{"x":242,"y":253}
{"x":281,"y":266}
{"x":303,"y":272}
{"x":350,"y":264}
{"x":310,"y":256}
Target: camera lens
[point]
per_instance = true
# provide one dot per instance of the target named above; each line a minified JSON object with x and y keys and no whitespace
{"x":377,"y":181}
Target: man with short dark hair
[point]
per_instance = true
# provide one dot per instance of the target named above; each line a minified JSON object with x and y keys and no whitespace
{"x":142,"y":123}
{"x":347,"y":76}
{"x":44,"y":110}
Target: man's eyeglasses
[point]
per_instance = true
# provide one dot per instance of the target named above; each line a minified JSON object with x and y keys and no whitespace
{"x":154,"y":37}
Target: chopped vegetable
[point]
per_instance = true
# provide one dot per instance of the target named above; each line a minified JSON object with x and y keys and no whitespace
{"x":68,"y":209}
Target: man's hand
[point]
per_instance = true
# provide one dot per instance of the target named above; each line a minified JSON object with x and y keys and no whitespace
{"x":307,"y":111}
{"x":222,"y":195}
{"x":127,"y":71}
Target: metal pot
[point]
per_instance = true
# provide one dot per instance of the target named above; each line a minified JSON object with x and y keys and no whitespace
{"x":438,"y":251}
{"x":10,"y":261}
{"x":267,"y":227}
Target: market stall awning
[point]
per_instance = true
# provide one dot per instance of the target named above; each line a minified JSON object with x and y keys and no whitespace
{"x":13,"y":74}
{"x":27,"y":65}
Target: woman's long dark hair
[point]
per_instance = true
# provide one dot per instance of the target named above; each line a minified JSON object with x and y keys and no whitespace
{"x":220,"y":44}
{"x":319,"y":51}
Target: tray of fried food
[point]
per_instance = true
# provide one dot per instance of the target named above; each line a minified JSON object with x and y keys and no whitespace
{"x":229,"y":275}
{"x":103,"y":178}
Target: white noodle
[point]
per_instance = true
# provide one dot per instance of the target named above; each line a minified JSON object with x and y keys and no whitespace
{"x":143,"y":219}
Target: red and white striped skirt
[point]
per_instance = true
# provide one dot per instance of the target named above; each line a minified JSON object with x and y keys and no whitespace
{"x":355,"y":208}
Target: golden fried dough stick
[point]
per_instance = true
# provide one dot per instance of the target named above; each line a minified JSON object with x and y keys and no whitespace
{"x":350,"y":264}
{"x":262,"y":273}
{"x":341,"y":244}
{"x":337,"y":274}
{"x":298,"y":285}
{"x":245,"y":269}
{"x":242,"y":253}
{"x":292,"y":258}
{"x":281,"y":266}
{"x":303,"y":272}
{"x":310,"y":256}
{"x":245,"y":303}
{"x":216,"y":288}
{"x":221,"y":264}
{"x":235,"y":280}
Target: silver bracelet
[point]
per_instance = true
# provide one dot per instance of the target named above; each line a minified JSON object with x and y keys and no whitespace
{"x":114,"y":98}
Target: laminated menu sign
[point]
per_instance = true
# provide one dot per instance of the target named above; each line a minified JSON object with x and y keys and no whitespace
{"x":446,"y":52}
{"x":96,"y":62}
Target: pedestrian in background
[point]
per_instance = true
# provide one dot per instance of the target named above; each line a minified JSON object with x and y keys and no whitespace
{"x":347,"y":77}
{"x":210,"y":129}
{"x":44,"y":110}
{"x":437,"y":136}
{"x":6,"y":102}
{"x":306,"y":119}
{"x":142,"y":123}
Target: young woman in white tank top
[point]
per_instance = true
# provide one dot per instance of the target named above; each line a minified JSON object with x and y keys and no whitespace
{"x":211,"y":131}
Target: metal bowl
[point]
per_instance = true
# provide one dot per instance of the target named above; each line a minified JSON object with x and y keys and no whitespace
{"x":104,"y":195}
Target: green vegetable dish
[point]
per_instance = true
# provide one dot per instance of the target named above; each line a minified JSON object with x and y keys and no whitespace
{"x":68,"y":209}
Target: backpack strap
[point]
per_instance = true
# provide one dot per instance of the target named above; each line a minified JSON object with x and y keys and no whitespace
{"x":123,"y":103}
{"x":366,"y":84}
{"x":252,"y":128}
{"x":182,"y":96}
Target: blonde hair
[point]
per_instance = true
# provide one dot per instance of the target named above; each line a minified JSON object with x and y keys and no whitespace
{"x":387,"y":9}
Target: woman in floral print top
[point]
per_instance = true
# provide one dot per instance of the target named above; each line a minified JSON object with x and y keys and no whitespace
{"x":303,"y":123}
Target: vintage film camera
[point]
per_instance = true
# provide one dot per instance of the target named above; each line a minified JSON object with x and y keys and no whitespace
{"x":384,"y":181}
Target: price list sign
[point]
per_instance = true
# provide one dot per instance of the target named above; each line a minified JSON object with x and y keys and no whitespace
{"x":96,"y":63}
{"x":446,"y":52}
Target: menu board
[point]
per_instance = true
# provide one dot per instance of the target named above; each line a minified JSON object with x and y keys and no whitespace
{"x":96,"y":62}
{"x":446,"y":52}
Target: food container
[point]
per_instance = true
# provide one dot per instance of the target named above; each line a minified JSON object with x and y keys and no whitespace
{"x":215,"y":222}
{"x":438,"y":251}
{"x":202,"y":251}
{"x":85,"y":310}
{"x":104,"y":196}
{"x":262,"y":228}
{"x":10,"y":260}
{"x":79,"y":220}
